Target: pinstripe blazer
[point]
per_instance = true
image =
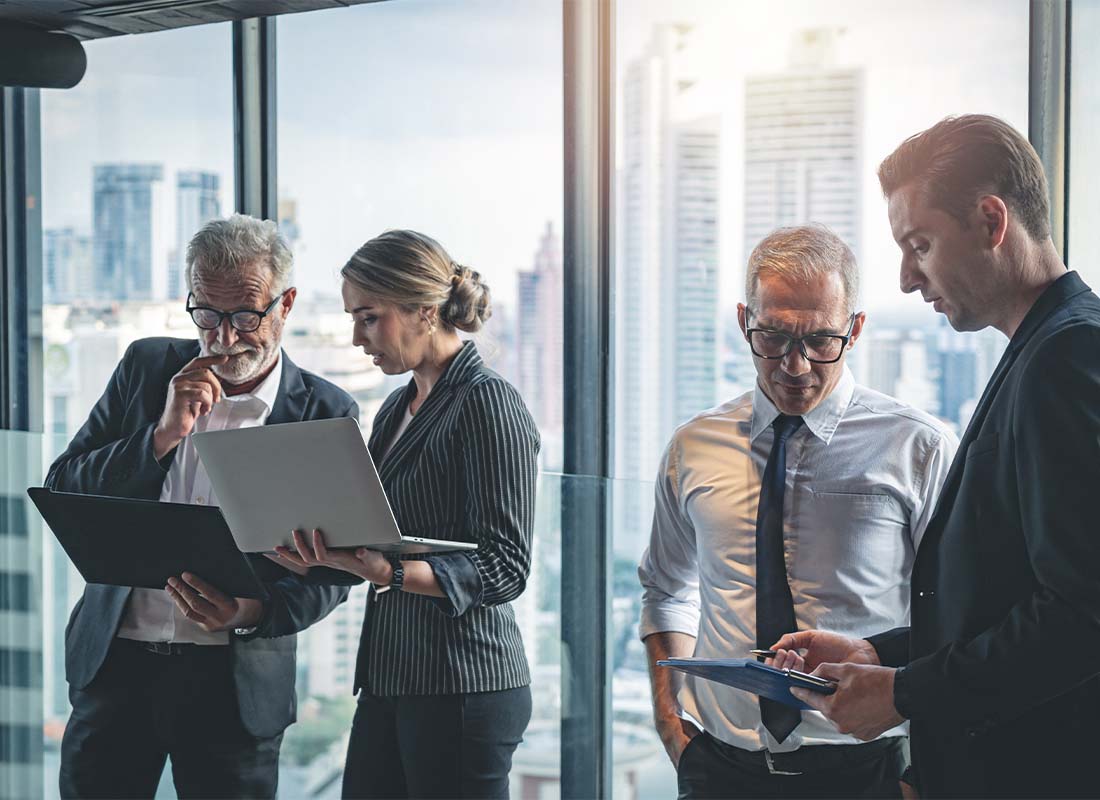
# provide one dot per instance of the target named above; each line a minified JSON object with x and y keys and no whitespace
{"x":464,"y":469}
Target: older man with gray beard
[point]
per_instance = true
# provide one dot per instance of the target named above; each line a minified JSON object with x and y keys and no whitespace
{"x":189,"y":672}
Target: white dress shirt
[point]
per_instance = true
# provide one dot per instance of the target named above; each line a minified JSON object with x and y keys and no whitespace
{"x":863,"y":476}
{"x":151,"y":615}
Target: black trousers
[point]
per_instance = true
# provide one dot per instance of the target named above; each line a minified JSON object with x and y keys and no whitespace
{"x":712,"y":769}
{"x":143,"y":708}
{"x":455,"y":745}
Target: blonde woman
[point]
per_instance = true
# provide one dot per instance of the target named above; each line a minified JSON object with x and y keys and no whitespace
{"x":443,"y":679}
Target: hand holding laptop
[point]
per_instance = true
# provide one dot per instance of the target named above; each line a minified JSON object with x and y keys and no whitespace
{"x":367,"y":564}
{"x":209,"y":607}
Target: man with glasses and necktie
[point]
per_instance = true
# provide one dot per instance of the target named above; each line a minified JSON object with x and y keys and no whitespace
{"x":798,"y":505}
{"x":189,"y":673}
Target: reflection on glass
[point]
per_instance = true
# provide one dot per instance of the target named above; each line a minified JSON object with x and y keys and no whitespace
{"x":1084,"y":155}
{"x":734,"y":119}
{"x":447,"y":119}
{"x":21,"y":617}
{"x":135,"y":159}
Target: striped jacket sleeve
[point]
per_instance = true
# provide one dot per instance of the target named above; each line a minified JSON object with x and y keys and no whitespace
{"x":499,"y":458}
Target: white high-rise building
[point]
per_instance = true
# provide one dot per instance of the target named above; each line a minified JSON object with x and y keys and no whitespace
{"x":667,"y":321}
{"x":803,"y":143}
{"x":197,"y":202}
{"x":538,"y":344}
{"x":803,"y":150}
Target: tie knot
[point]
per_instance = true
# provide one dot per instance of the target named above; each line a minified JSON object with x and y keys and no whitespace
{"x":785,"y":425}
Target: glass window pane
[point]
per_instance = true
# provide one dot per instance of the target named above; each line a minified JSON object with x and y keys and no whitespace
{"x":1084,"y":155}
{"x":135,"y":159}
{"x":447,"y":119}
{"x":737,"y":118}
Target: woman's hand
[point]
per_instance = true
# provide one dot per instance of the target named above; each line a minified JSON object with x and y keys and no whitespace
{"x":367,"y":564}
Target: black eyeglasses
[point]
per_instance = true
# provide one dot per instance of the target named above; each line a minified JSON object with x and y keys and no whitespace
{"x":820,"y":348}
{"x":243,"y":320}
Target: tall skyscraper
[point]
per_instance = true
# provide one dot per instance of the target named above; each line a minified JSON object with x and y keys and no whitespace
{"x":67,"y":262}
{"x":803,"y":144}
{"x":667,"y":321}
{"x":21,"y":537}
{"x":538,"y":343}
{"x":131,"y":241}
{"x":197,"y":202}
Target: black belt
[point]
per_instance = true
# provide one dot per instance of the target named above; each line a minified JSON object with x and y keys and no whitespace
{"x":808,"y":759}
{"x":172,"y":648}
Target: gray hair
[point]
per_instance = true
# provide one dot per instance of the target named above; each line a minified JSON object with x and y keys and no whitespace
{"x":226,"y":246}
{"x":803,"y":253}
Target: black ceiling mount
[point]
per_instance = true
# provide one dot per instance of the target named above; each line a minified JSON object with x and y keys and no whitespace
{"x":33,"y":57}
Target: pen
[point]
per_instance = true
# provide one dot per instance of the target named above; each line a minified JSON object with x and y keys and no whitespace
{"x":762,"y":654}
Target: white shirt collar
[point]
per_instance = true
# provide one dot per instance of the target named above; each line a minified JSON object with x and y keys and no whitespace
{"x":821,"y":422}
{"x":268,"y":389}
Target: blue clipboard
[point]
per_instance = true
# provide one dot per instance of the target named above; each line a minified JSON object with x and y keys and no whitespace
{"x":752,"y":676}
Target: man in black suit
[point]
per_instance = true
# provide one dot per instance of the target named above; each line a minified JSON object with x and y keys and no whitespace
{"x":189,"y":672}
{"x":999,"y":671}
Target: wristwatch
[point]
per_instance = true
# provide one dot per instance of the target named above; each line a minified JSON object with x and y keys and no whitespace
{"x":245,"y":631}
{"x":397,"y":579}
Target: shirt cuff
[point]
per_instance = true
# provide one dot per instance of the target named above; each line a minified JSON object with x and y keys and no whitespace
{"x":904,"y":702}
{"x":669,"y":617}
{"x":460,"y":582}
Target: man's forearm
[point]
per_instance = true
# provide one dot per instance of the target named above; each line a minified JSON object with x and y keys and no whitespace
{"x":665,"y":683}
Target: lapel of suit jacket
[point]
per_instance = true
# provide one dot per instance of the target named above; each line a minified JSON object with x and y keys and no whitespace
{"x":290,"y":402}
{"x":463,"y":366}
{"x":1057,"y":294}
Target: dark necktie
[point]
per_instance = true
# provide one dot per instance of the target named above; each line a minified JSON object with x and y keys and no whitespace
{"x":774,"y":608}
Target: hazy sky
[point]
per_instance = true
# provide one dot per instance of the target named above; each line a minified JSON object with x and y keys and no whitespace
{"x":446,"y":116}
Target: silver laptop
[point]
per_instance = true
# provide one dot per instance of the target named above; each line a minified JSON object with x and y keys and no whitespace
{"x":274,"y":479}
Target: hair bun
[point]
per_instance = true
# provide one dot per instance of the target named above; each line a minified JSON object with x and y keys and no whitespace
{"x":468,"y":307}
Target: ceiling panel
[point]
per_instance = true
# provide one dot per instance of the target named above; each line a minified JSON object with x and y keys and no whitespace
{"x":95,"y":19}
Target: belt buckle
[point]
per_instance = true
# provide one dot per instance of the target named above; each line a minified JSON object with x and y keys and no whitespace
{"x":771,"y":766}
{"x":160,"y":648}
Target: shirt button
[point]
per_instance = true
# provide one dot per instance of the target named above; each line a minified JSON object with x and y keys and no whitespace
{"x":200,"y":500}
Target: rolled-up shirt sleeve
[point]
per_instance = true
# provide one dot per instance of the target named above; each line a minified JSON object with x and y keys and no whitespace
{"x":669,"y":571}
{"x":459,"y":580}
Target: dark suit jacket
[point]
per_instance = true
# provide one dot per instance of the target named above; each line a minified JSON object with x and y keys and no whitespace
{"x":112,"y":454}
{"x":1003,"y":677}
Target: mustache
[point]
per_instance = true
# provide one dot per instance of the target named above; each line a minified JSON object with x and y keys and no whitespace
{"x":236,"y":350}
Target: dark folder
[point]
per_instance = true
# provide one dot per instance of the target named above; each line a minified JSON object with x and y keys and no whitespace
{"x":124,"y":542}
{"x":752,"y":676}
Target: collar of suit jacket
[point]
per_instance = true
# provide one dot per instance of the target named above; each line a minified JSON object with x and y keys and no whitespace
{"x":1068,"y":286}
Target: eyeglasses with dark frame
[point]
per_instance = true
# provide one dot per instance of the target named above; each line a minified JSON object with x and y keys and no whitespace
{"x":244,"y":320}
{"x":818,"y":348}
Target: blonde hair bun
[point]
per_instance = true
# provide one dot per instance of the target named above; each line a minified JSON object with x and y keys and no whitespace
{"x":468,"y":307}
